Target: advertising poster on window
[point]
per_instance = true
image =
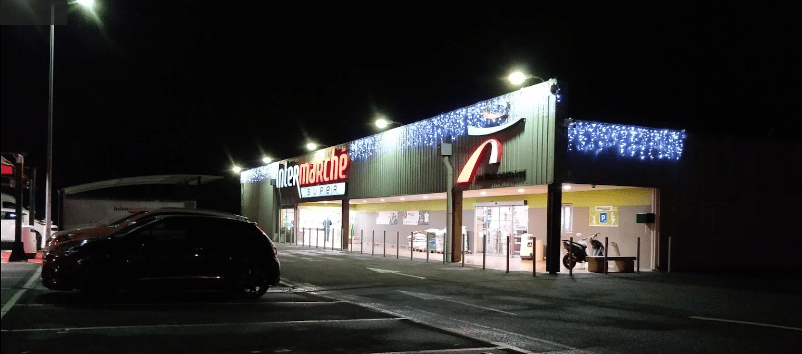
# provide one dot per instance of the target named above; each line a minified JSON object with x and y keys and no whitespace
{"x":387,"y":218}
{"x":416,"y":217}
{"x":603,"y":216}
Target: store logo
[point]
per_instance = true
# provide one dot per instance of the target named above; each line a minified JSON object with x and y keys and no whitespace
{"x":502,"y":115}
{"x":318,"y":174}
{"x":469,"y":171}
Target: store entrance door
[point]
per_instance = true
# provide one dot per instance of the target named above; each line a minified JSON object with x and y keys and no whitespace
{"x":497,"y":224}
{"x":287,"y":230}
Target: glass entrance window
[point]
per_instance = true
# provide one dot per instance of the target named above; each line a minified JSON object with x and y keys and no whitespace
{"x":321,"y":226}
{"x":287,"y":228}
{"x":498,"y":224}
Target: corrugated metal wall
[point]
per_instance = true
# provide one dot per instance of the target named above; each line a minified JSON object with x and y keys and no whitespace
{"x":527,"y":146}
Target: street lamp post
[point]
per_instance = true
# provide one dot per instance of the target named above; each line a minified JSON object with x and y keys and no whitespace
{"x":49,"y":172}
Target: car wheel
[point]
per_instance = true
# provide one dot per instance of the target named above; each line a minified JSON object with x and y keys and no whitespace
{"x":568,"y":263}
{"x":251,"y":282}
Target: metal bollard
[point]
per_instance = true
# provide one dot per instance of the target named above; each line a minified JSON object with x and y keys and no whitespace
{"x":384,"y":244}
{"x":361,"y":240}
{"x":373,"y":242}
{"x":606,"y":247}
{"x":669,"y":254}
{"x":508,"y":254}
{"x":484,"y":250}
{"x":352,"y":242}
{"x":411,"y":237}
{"x":427,"y":247}
{"x":463,"y":253}
{"x":397,"y":244}
{"x":534,"y":255}
{"x":638,"y":256}
{"x":570,"y":255}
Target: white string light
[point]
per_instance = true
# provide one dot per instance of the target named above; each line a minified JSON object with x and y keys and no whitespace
{"x":627,"y":141}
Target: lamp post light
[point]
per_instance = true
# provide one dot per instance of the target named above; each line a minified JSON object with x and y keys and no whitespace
{"x":266,"y":160}
{"x":311,"y":146}
{"x":87,"y":4}
{"x":382,"y":122}
{"x":517,"y":78}
{"x":236,"y":169}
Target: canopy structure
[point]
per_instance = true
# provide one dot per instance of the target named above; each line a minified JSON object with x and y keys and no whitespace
{"x":190,"y":180}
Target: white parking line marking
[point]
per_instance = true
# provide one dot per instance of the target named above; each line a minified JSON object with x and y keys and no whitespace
{"x":196,"y":325}
{"x":7,"y":307}
{"x":447,"y":298}
{"x":441,"y":350}
{"x":745,"y":322}
{"x":394,"y":272}
{"x":481,"y":307}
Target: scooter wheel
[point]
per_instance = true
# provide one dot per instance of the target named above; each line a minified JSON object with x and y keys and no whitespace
{"x":568,"y":262}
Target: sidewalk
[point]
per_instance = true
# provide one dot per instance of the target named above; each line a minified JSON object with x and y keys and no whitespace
{"x":475,"y":260}
{"x":6,"y":254}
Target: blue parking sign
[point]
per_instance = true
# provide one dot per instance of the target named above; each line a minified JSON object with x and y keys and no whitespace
{"x":602,"y":218}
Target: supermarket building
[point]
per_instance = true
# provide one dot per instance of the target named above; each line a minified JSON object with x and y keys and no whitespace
{"x":486,"y":178}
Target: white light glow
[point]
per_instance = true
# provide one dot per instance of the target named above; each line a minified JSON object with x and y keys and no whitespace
{"x":266,"y":159}
{"x":567,"y":187}
{"x":311,"y":146}
{"x":381,"y":123}
{"x":402,"y":198}
{"x":320,"y":155}
{"x":521,"y":190}
{"x":86,"y":3}
{"x":517,"y":78}
{"x":425,"y":197}
{"x":382,"y":199}
{"x":483,"y":193}
{"x":236,"y":169}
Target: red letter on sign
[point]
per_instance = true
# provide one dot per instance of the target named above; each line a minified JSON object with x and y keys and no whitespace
{"x":344,"y":166}
{"x":469,"y":171}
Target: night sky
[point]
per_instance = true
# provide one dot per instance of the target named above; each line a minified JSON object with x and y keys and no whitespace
{"x":184,"y":88}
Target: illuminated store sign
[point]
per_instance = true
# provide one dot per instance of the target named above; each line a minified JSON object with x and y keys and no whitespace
{"x":321,"y":174}
{"x":469,"y":171}
{"x":323,"y":190}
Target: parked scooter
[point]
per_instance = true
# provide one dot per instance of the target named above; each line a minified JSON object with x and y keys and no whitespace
{"x":580,"y":250}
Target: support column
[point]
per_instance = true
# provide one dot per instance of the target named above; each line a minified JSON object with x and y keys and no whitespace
{"x":456,"y":228}
{"x":17,"y":248}
{"x":345,"y":222}
{"x":553,"y":214}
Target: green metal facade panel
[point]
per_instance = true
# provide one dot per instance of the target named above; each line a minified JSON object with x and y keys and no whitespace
{"x":527,"y":146}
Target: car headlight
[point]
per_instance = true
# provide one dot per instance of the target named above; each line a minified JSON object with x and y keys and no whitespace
{"x":69,"y":248}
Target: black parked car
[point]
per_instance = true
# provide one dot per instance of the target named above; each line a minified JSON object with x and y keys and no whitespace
{"x":174,"y":248}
